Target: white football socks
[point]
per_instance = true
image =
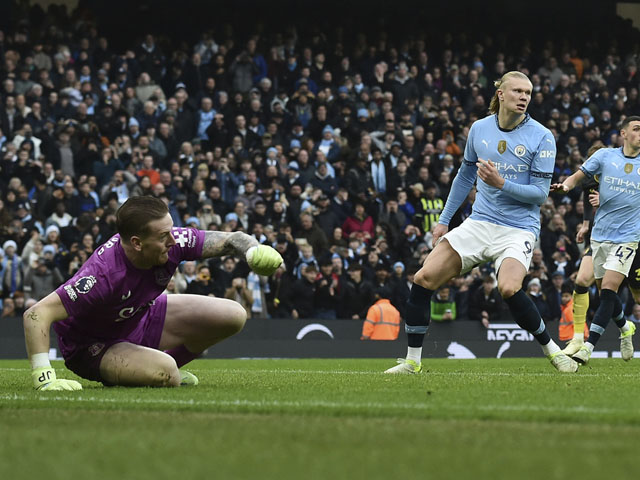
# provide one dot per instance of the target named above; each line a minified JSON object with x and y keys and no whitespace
{"x":415,"y":354}
{"x":550,"y":348}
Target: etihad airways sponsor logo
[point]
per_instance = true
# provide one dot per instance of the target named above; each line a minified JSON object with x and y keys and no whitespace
{"x":621,"y":184}
{"x":510,"y":168}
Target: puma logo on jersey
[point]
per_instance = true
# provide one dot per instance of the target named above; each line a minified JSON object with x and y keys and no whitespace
{"x":485,"y":143}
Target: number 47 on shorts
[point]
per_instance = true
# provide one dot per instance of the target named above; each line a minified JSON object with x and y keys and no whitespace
{"x":624,"y":253}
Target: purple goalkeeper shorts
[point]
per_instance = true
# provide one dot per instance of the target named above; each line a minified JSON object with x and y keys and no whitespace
{"x":83,"y":357}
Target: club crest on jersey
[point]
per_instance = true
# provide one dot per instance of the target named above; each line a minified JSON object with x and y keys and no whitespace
{"x":502,"y":146}
{"x":162,"y":277}
{"x":95,"y":349}
{"x":520,"y":150}
{"x":84,"y":284}
{"x":628,"y":168}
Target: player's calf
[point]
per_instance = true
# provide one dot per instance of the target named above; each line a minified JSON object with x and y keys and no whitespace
{"x":131,"y":365}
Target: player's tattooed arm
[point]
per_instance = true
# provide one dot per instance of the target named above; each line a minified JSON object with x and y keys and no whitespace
{"x":217,"y":244}
{"x":37,"y":321}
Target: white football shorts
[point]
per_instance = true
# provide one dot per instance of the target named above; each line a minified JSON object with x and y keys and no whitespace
{"x":478,"y":242}
{"x":612,"y":256}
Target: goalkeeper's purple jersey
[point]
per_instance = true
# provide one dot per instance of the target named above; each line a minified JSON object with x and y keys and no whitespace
{"x":108,"y":296}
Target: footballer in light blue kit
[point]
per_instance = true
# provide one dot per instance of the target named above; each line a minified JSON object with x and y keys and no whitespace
{"x":615,"y":233}
{"x":524,"y":157}
{"x":617,"y":219}
{"x":115,"y":326}
{"x":512,"y":157}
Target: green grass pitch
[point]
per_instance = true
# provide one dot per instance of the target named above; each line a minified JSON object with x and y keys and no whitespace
{"x":331,"y":419}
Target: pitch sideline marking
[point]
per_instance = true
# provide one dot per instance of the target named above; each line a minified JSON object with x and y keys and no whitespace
{"x":351,"y":372}
{"x":323,"y":404}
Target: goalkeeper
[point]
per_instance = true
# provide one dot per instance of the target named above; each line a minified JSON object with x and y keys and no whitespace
{"x":113,"y":323}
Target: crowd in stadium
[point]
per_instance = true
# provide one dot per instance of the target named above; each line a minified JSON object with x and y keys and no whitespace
{"x":337,"y":152}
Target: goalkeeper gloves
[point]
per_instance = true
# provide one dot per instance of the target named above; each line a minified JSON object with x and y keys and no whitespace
{"x":44,"y":378}
{"x":263,"y":260}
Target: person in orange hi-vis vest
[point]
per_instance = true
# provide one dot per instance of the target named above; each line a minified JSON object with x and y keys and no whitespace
{"x":383,"y":319}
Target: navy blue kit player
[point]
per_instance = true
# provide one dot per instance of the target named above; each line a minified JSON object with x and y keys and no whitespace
{"x":511,"y":156}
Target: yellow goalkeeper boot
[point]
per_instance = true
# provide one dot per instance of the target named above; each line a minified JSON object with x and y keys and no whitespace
{"x":188,"y":379}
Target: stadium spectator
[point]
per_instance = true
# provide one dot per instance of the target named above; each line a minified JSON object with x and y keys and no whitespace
{"x":41,"y":279}
{"x":360,"y":224}
{"x":305,"y":258}
{"x":382,"y":321}
{"x":443,"y":305}
{"x":9,"y":308}
{"x":278,"y":302}
{"x":239,"y":293}
{"x":140,"y":99}
{"x":565,"y":326}
{"x":201,"y":284}
{"x":539,"y":298}
{"x":302,"y":293}
{"x":222,"y":273}
{"x":485,"y":303}
{"x":359,"y":292}
{"x":12,"y":279}
{"x":429,"y":208}
{"x":312,"y":233}
{"x":635,"y":314}
{"x":328,"y":291}
{"x":554,"y":295}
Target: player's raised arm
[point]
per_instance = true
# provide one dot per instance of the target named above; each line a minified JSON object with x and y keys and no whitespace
{"x":262,"y":259}
{"x":37,"y":322}
{"x":569,"y":183}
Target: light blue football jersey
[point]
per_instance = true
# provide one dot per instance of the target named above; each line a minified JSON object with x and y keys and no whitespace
{"x":618,"y":216}
{"x":524,"y":157}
